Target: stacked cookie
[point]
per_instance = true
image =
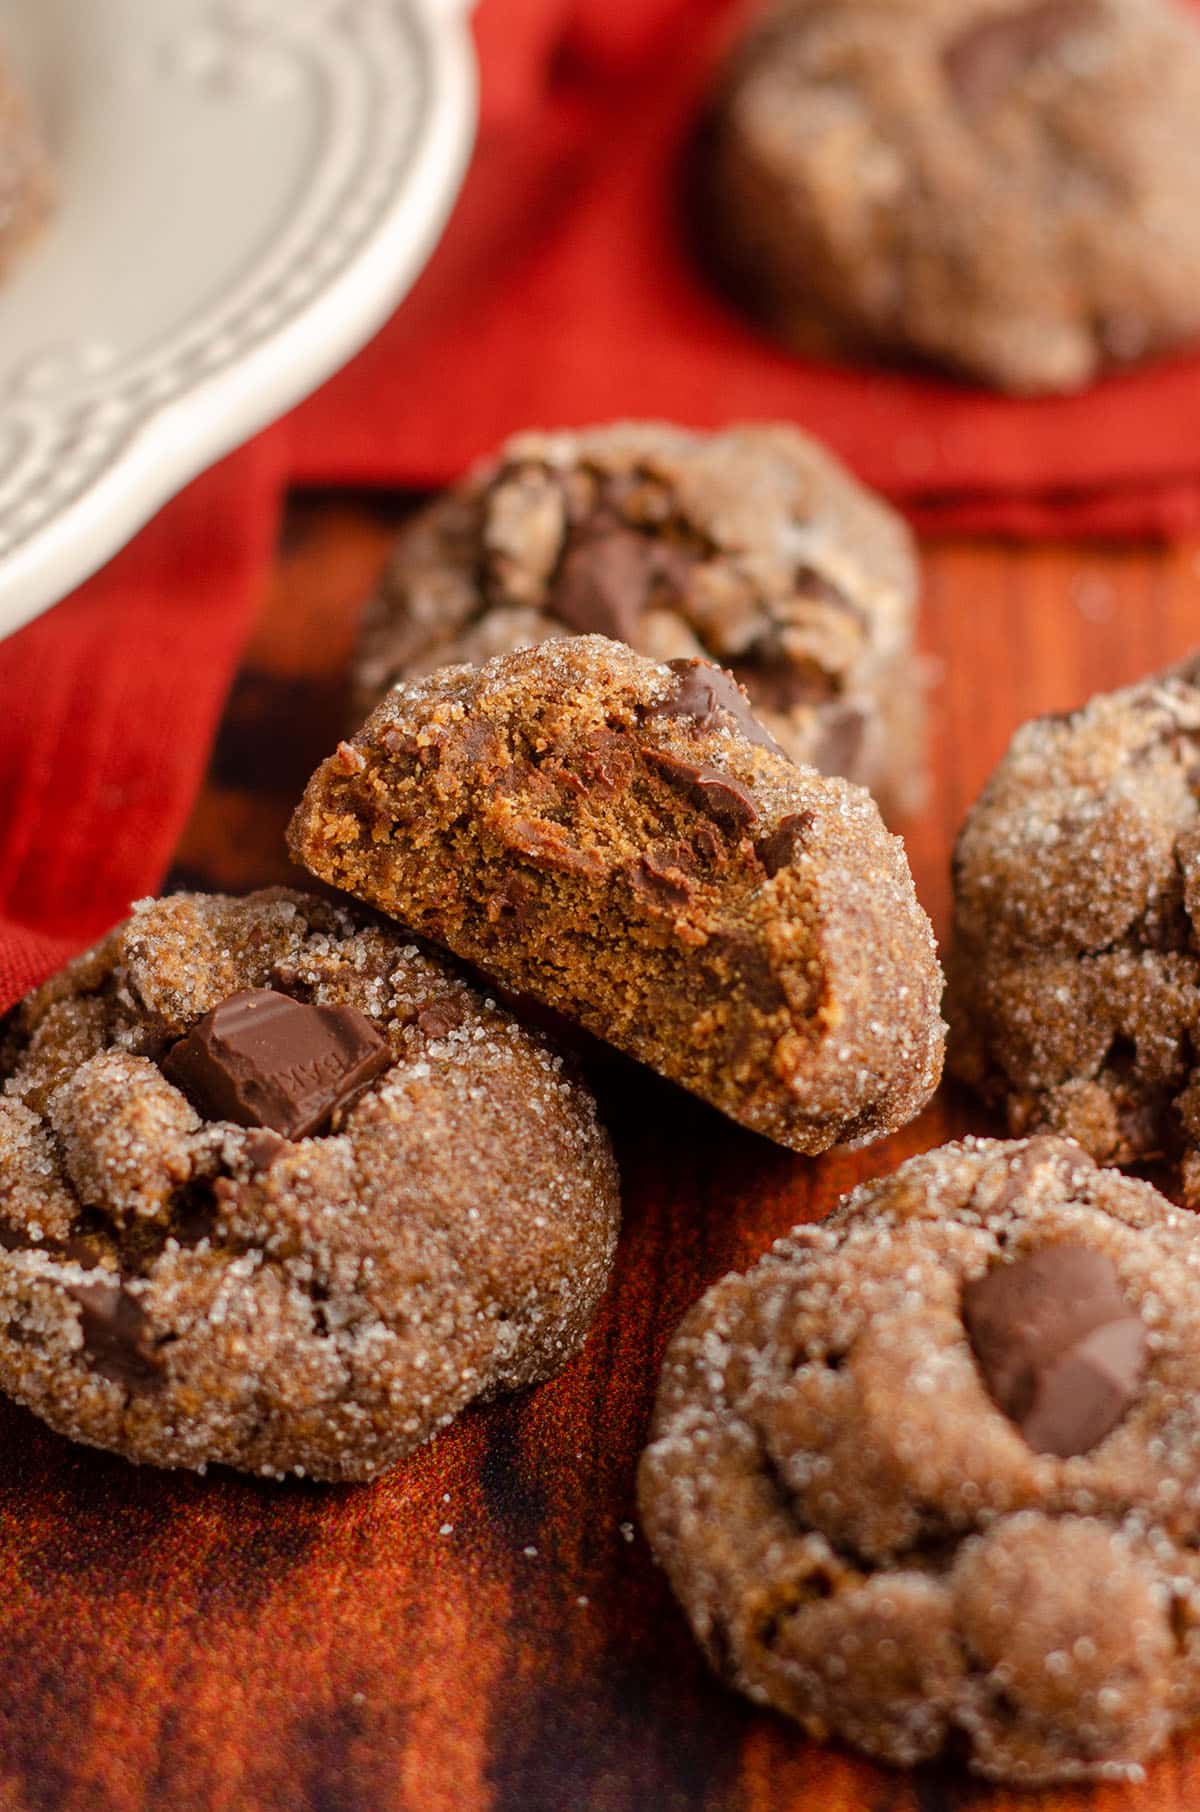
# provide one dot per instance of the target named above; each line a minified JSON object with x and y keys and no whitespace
{"x":285,"y":1191}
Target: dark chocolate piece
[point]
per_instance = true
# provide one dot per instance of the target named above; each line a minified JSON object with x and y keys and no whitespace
{"x":778,"y":850}
{"x":117,"y":1336}
{"x":605,"y":580}
{"x":704,"y":692}
{"x":264,"y":1059}
{"x":716,"y":793}
{"x":982,"y":62}
{"x":1059,"y":1348}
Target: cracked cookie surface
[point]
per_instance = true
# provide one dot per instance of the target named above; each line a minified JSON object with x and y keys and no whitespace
{"x":1007,"y":189}
{"x":623,"y":842}
{"x":860,"y":1534}
{"x":1074,"y":973}
{"x":751,"y":547}
{"x":186,"y":1290}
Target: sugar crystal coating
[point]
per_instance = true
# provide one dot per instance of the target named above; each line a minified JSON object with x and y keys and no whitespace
{"x":1074,"y":972}
{"x":859,"y":1534}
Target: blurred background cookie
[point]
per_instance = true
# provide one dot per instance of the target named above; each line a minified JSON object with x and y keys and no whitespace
{"x":1010,"y":190}
{"x":753,"y":548}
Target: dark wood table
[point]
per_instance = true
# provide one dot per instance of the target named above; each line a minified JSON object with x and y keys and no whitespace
{"x":483,"y":1628}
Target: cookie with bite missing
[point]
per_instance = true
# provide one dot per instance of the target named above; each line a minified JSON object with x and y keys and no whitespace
{"x":1006,"y":188}
{"x":1075,"y":969}
{"x":281,"y":1191}
{"x":924,"y":1479}
{"x":752,"y":547}
{"x":620,"y":840}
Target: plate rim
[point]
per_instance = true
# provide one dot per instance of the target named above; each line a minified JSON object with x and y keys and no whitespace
{"x":174,"y":442}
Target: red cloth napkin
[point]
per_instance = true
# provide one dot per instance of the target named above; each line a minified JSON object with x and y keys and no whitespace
{"x":563,"y":293}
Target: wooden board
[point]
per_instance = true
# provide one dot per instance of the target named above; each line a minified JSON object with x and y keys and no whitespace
{"x":483,"y":1628}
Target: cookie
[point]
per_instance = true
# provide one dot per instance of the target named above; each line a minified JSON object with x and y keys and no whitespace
{"x":26,"y":185}
{"x":1075,"y":972}
{"x":621,"y":841}
{"x":752,"y":548}
{"x":282,"y":1191}
{"x":1008,"y":189}
{"x":925,"y":1478}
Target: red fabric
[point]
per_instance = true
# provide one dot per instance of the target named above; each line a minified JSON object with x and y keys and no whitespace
{"x":563,"y":293}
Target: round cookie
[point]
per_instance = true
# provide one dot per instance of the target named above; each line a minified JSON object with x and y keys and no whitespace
{"x":283,"y":1192}
{"x":621,"y":841}
{"x":752,"y":548}
{"x":1005,"y":187}
{"x":1074,"y":992}
{"x":925,"y":1478}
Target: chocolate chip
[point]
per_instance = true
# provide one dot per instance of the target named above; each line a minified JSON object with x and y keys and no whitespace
{"x":778,"y":684}
{"x":779,"y":849}
{"x":714,"y":792}
{"x":604,"y":580}
{"x":263,"y":1059}
{"x":1059,"y":1348}
{"x":117,"y":1336}
{"x":547,"y":845}
{"x":983,"y":61}
{"x":659,"y":883}
{"x":706,"y":694}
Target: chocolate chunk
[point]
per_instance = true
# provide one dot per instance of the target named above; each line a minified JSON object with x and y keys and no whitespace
{"x":778,"y":850}
{"x":117,"y":1336}
{"x":984,"y":61}
{"x":605,"y":579}
{"x":263,"y":1059}
{"x":1059,"y":1348}
{"x":714,"y":792}
{"x":707,"y":693}
{"x":660,"y":884}
{"x":546,"y":844}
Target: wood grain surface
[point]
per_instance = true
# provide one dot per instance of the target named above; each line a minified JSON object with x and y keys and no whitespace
{"x":483,"y":1629}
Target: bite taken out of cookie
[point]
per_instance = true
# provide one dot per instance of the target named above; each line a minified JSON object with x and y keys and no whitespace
{"x":621,"y":841}
{"x":924,"y":1479}
{"x":283,"y":1192}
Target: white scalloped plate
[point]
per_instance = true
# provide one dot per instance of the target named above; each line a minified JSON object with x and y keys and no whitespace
{"x":248,"y":187}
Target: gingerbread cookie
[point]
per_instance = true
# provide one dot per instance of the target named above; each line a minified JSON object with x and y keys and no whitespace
{"x":281,"y":1191}
{"x":925,"y":1478}
{"x":1007,"y":187}
{"x":1075,"y":972}
{"x":753,"y":548}
{"x":621,"y":841}
{"x":26,"y":186}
